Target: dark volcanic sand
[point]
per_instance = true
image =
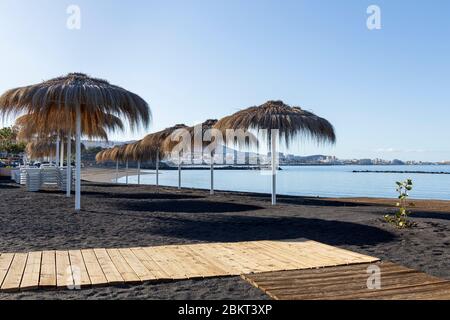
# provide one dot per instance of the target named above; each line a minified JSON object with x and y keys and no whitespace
{"x":123,"y":216}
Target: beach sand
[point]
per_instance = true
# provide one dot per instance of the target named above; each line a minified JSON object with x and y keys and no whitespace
{"x":124,"y":216}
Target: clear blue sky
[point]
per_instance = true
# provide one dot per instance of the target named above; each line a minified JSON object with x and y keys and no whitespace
{"x":386,"y":91}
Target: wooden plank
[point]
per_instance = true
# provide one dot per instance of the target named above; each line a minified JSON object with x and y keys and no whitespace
{"x":328,"y":283}
{"x":270,"y":260}
{"x":47,"y":277}
{"x":127,"y":273}
{"x":302,"y":259}
{"x":223,"y":257}
{"x":214,"y":266}
{"x":323,"y":255}
{"x":139,"y":268}
{"x":150,"y":264}
{"x":290,"y":261}
{"x":244,"y":258}
{"x":103,"y":266}
{"x":80,"y":275}
{"x":325,"y":274}
{"x":160,"y":257}
{"x":5,"y":263}
{"x":441,"y":292}
{"x":93,"y":268}
{"x":394,"y":293}
{"x":353,"y":256}
{"x":306,"y":251}
{"x":15,"y":273}
{"x":192,"y":266}
{"x":355,"y":285}
{"x":109,"y":269}
{"x":64,"y":278}
{"x":387,"y":290}
{"x":209,"y":269}
{"x":263,"y":259}
{"x":30,"y":279}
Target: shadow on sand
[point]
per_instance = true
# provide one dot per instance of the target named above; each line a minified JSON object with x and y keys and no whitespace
{"x":104,"y":185}
{"x":310,"y":201}
{"x":240,"y":228}
{"x":186,"y":206}
{"x":8,"y":186}
{"x":131,"y":196}
{"x":142,"y":196}
{"x":431,"y":215}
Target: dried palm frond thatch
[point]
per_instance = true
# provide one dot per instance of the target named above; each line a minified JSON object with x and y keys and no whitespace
{"x":33,"y":126}
{"x":173,"y":139}
{"x":291,"y":122}
{"x":151,"y":147}
{"x":57,"y":99}
{"x":118,"y":153}
{"x":76,"y":99}
{"x":103,"y":156}
{"x":134,"y":152}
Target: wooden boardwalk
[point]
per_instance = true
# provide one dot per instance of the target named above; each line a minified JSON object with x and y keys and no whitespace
{"x":350,"y":283}
{"x":95,"y":267}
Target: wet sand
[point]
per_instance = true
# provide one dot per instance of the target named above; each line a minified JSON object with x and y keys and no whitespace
{"x":123,"y":216}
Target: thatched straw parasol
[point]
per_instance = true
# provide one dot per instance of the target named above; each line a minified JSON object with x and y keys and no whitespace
{"x":196,"y":134}
{"x":283,"y":122}
{"x":32,"y":125}
{"x":102,"y":156}
{"x":151,"y":147}
{"x":133,"y":152}
{"x":205,"y":127}
{"x":79,"y":99}
{"x":116,"y":154}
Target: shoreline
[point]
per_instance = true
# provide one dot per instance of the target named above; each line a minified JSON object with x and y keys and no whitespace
{"x":108,"y":176}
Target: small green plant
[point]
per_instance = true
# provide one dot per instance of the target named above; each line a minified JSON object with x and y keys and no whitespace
{"x":400,"y":219}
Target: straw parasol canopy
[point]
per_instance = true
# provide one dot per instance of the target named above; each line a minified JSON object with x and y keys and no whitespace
{"x":151,"y":147}
{"x":291,"y":122}
{"x":172,"y":139}
{"x":117,"y":153}
{"x":101,"y":156}
{"x":113,"y":154}
{"x":32,"y":126}
{"x":73,"y":100}
{"x":133,"y":151}
{"x":57,"y":99}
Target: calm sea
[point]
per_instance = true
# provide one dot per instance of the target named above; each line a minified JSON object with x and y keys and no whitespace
{"x":324,"y":181}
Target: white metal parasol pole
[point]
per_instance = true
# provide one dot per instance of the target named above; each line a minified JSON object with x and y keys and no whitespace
{"x":157,"y":168}
{"x":78,"y":160}
{"x":179,"y":172}
{"x":69,"y":165}
{"x":212,"y":174}
{"x":139,"y":171}
{"x":117,"y":171}
{"x":274,"y":168}
{"x":57,"y":150}
{"x":61,"y":158}
{"x":126,"y":172}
